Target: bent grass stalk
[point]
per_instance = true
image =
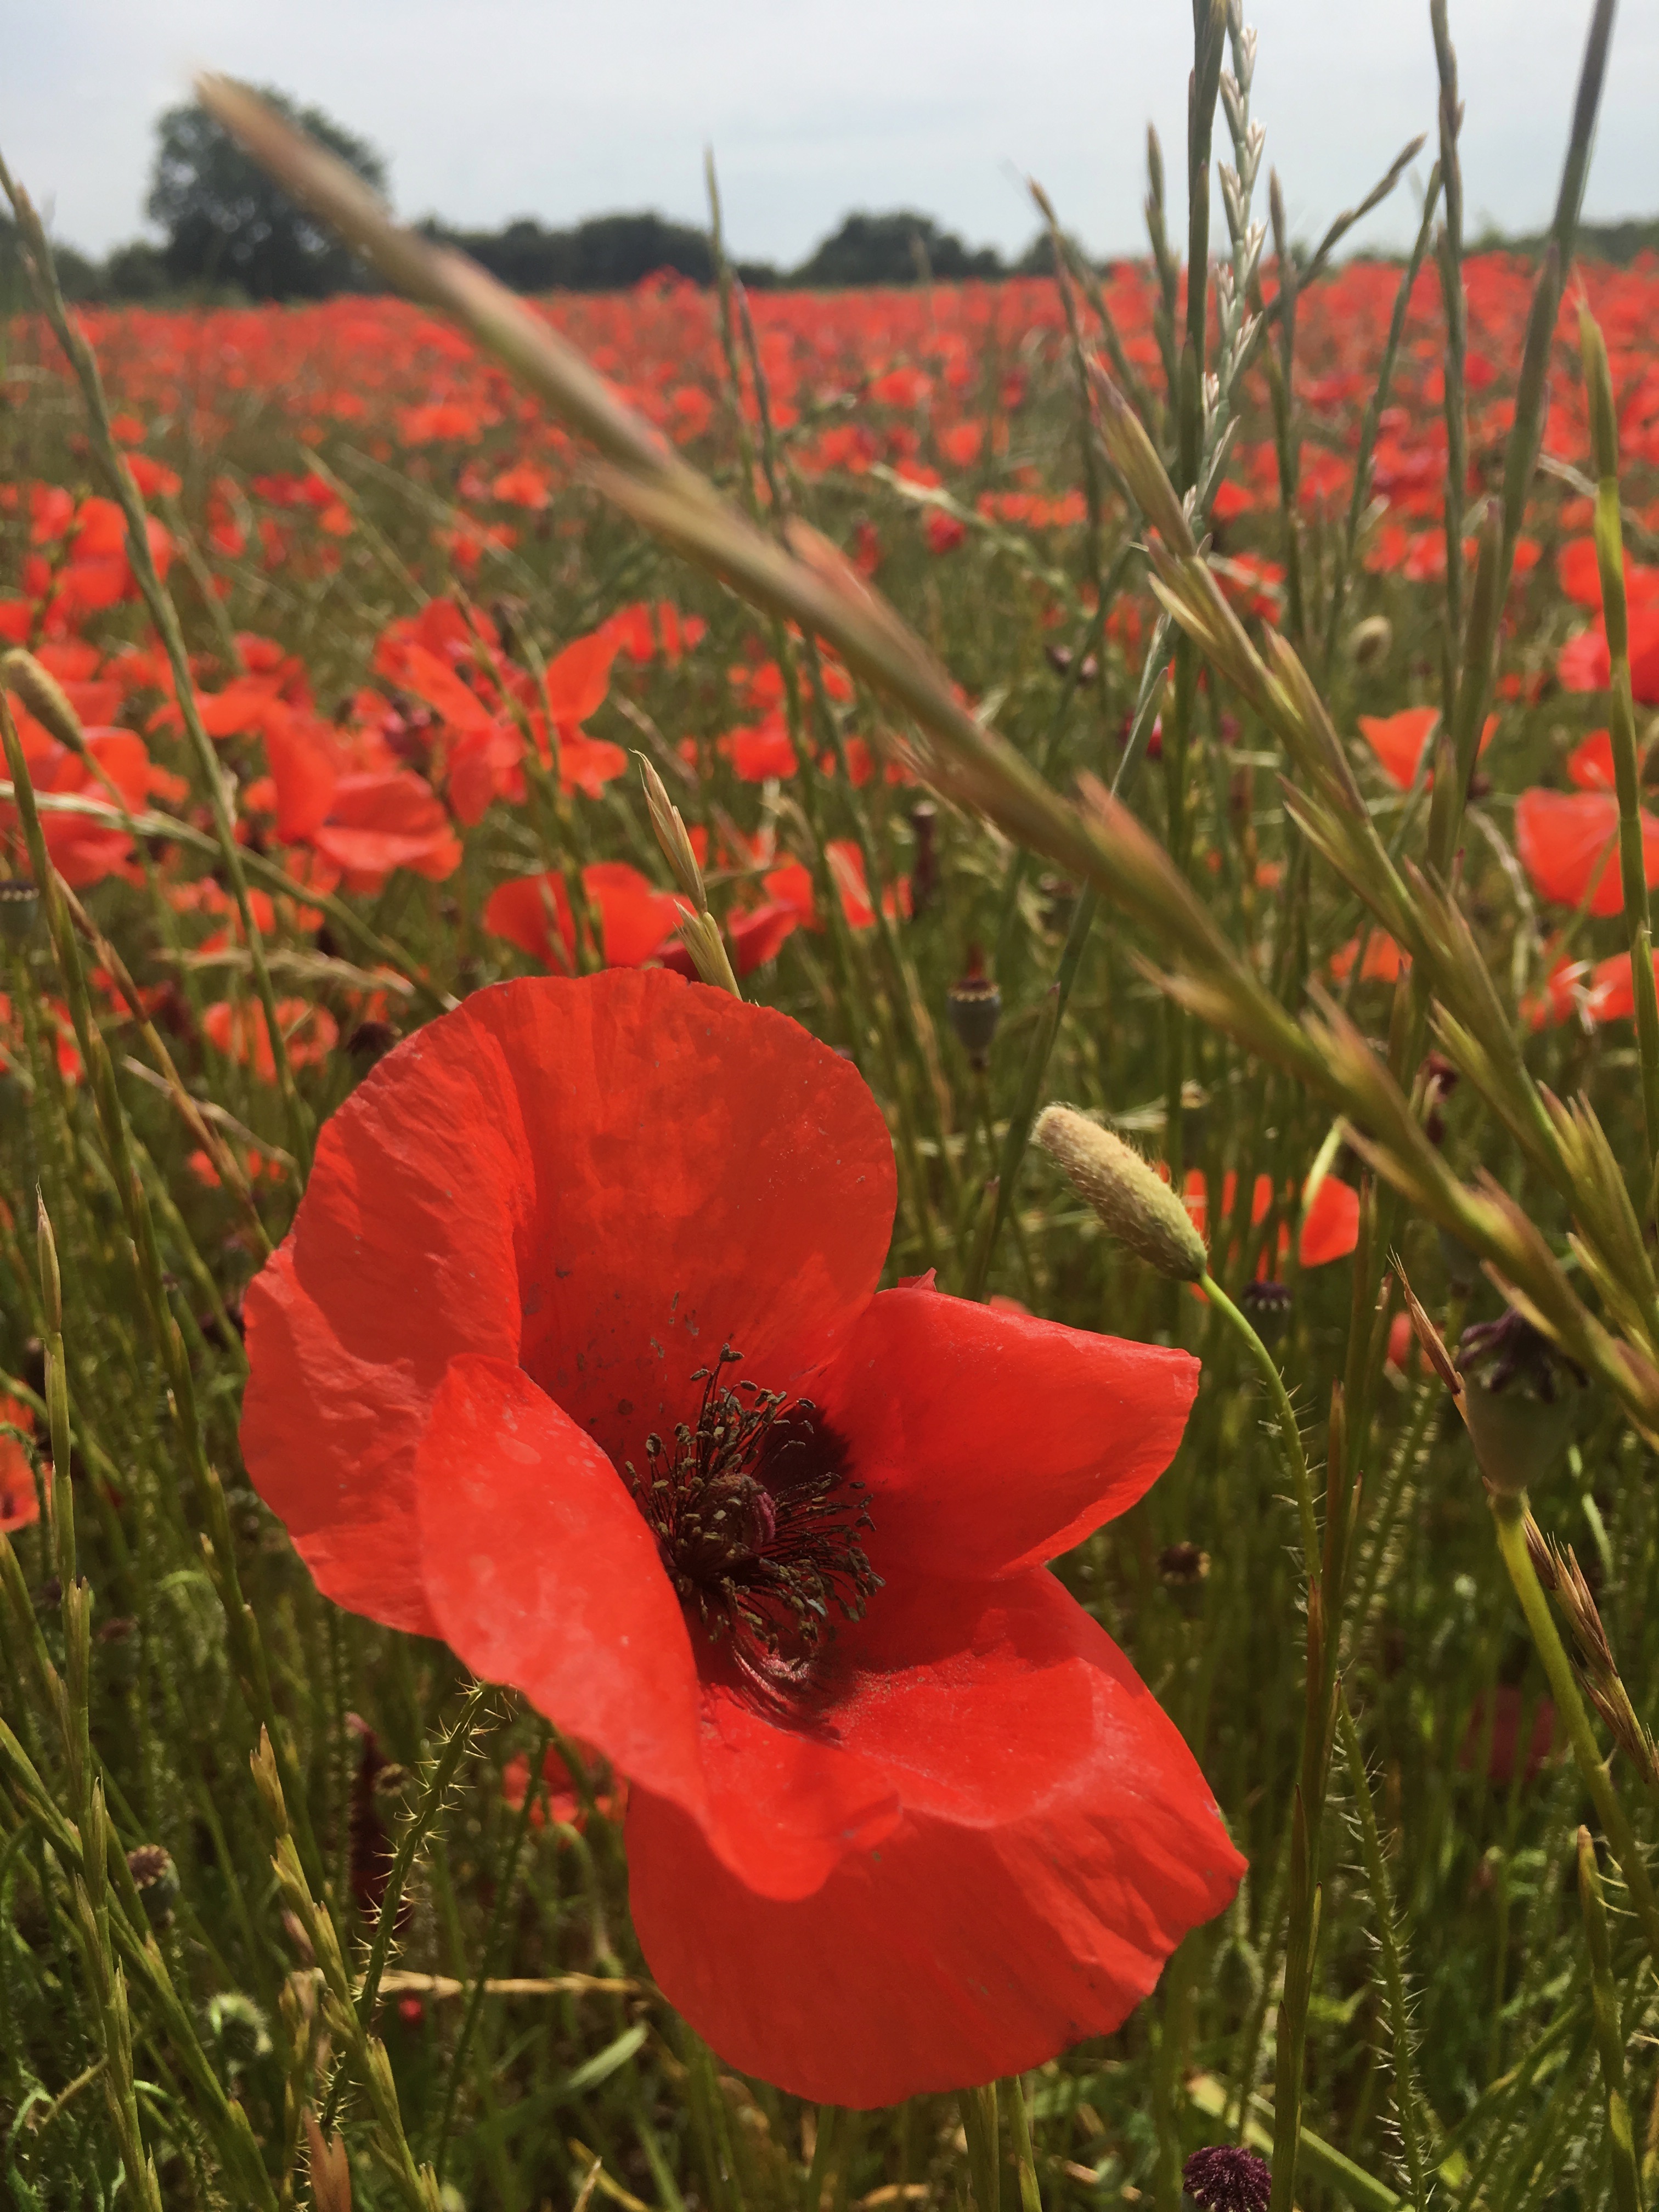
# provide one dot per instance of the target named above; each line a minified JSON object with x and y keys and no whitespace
{"x":1510,"y":1515}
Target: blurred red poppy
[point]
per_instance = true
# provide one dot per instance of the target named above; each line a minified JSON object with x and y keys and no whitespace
{"x":633,"y":915}
{"x":934,"y":1844}
{"x":20,"y":1502}
{"x":1568,"y":843}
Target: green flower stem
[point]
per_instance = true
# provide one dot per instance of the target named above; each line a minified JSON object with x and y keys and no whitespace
{"x":1621,"y":722}
{"x":1510,"y":1513}
{"x":1290,"y":1435}
{"x":1019,"y":2128}
{"x":245,"y":1643}
{"x":1408,"y":2109}
{"x":1609,"y":2030}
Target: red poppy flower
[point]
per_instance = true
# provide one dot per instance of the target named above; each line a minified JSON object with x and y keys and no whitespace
{"x":633,"y":916}
{"x":1398,"y":740}
{"x":1568,"y":842}
{"x":931,"y":1844}
{"x":754,"y":937}
{"x":1590,"y":765}
{"x":20,"y":1501}
{"x":382,"y":820}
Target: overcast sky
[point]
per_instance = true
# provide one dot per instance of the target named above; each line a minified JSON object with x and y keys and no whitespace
{"x":487,"y":109}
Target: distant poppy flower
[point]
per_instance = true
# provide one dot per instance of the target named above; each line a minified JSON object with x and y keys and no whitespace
{"x":754,"y":936}
{"x":1330,"y":1217}
{"x":634,"y":915}
{"x":1506,"y":1749}
{"x":379,"y":820}
{"x":563,"y":1801}
{"x":1568,"y":842}
{"x":574,"y":1357}
{"x":1590,"y":765}
{"x":792,"y":885}
{"x":241,"y":1033}
{"x":20,"y":1502}
{"x":1398,"y":740}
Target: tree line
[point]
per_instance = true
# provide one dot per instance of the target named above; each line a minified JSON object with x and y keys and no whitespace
{"x":228,"y":233}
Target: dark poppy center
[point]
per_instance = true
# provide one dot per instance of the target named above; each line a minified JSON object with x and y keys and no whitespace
{"x":757,"y":1520}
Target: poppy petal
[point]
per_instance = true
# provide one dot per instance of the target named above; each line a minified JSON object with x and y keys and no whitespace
{"x":991,"y":1440}
{"x":549,"y":1175}
{"x":541,"y":1572}
{"x":1058,"y":1841}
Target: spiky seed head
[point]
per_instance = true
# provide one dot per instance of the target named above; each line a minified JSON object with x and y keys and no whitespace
{"x":1125,"y":1191}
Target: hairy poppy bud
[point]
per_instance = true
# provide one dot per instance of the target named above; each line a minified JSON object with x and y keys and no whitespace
{"x":1517,"y":1399}
{"x":1139,"y":1209}
{"x":974,"y":1005}
{"x":45,"y":699}
{"x":1371,"y":640}
{"x":1227,"y":2178}
{"x":156,"y":1880}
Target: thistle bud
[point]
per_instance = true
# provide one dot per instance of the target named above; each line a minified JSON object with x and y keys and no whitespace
{"x":1227,"y":2178}
{"x":1125,"y":1191}
{"x":1517,"y":1400}
{"x":974,"y":1005}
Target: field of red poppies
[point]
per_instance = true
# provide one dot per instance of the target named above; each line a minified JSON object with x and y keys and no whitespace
{"x":829,"y":1339}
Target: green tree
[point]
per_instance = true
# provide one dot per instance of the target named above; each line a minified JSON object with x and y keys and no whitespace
{"x":226,"y":223}
{"x":894,"y":249}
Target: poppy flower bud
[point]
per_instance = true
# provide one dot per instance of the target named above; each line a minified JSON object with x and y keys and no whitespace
{"x":1227,"y":2178}
{"x":1371,"y":640}
{"x":156,"y":1880}
{"x":1517,"y":1400}
{"x":1125,"y":1191}
{"x":45,"y":699}
{"x":1437,"y":1079}
{"x":974,"y":1005}
{"x":20,"y":909}
{"x":371,"y":1041}
{"x":1181,"y":1566}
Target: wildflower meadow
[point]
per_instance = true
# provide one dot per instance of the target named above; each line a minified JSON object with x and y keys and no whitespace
{"x":829,"y":1160}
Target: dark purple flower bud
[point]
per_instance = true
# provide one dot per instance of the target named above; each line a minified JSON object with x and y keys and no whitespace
{"x":1226,"y":2178}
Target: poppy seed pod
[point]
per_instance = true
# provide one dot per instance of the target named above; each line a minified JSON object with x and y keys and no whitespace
{"x":1268,"y":1305}
{"x":1227,"y":2178}
{"x":974,"y":1005}
{"x":20,"y":909}
{"x":1125,"y":1191}
{"x":1517,"y":1400}
{"x":924,"y":870}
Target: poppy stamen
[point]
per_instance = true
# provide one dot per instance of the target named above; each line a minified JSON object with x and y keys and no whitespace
{"x":758,"y":1523}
